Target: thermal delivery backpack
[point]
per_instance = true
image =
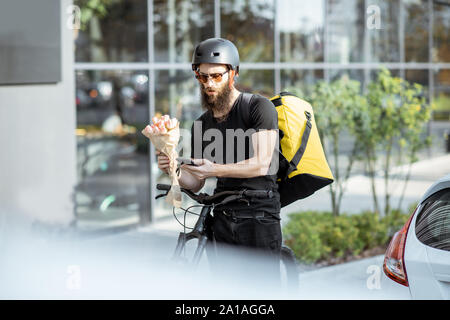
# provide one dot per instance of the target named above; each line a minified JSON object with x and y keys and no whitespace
{"x":303,"y":167}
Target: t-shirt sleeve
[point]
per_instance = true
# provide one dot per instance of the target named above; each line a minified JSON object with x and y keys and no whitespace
{"x":263,"y":114}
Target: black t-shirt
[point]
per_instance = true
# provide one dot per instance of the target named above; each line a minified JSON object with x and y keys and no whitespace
{"x":223,"y":142}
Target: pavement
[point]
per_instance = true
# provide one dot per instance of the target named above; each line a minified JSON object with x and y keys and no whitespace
{"x":138,"y":265}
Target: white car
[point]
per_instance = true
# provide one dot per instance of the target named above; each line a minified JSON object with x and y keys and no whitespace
{"x":418,"y":257}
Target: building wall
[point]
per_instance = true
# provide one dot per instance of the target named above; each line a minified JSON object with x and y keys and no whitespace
{"x":38,"y":146}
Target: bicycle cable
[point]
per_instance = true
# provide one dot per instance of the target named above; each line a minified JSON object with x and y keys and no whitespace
{"x":185,"y":211}
{"x":188,"y":210}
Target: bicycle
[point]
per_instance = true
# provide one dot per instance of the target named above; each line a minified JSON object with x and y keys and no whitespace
{"x":289,"y":267}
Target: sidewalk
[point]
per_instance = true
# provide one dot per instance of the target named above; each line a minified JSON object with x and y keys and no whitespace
{"x":136,"y":264}
{"x":357,"y":280}
{"x":148,"y":249}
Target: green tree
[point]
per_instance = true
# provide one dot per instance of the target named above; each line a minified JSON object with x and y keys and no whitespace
{"x":338,"y":108}
{"x":397,"y":112}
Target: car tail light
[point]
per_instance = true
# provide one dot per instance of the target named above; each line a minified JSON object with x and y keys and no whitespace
{"x":394,"y":262}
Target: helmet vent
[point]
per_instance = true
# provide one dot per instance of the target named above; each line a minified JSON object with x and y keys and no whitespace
{"x":215,"y":54}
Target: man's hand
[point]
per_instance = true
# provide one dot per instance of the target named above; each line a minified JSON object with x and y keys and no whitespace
{"x":163,"y":162}
{"x":203,"y":170}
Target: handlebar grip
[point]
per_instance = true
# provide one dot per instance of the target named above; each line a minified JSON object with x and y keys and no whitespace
{"x":165,"y":187}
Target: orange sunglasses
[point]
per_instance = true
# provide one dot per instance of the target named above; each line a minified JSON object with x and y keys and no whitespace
{"x":203,"y":78}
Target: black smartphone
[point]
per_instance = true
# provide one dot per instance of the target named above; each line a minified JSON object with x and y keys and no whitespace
{"x":185,"y":161}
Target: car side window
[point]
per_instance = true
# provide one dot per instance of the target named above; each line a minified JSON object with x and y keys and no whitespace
{"x":433,"y":222}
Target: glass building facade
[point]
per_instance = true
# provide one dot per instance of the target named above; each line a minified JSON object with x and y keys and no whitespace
{"x":133,"y":61}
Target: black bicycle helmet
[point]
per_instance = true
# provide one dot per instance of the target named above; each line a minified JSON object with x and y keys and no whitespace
{"x":216,"y":50}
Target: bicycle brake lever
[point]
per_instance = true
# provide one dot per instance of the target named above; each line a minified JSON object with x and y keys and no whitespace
{"x":201,"y":197}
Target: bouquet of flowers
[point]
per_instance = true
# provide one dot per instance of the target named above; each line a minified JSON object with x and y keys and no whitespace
{"x":164,"y":133}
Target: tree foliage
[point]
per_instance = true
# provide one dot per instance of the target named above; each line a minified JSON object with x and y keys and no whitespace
{"x":386,"y":128}
{"x":339,"y":109}
{"x":397,"y":114}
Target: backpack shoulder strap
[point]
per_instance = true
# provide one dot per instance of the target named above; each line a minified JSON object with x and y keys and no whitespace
{"x":246,"y":99}
{"x":301,"y":150}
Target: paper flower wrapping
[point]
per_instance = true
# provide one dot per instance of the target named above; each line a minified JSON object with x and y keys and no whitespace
{"x":164,"y":133}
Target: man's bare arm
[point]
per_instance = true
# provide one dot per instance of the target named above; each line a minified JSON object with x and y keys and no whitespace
{"x":264,"y":143}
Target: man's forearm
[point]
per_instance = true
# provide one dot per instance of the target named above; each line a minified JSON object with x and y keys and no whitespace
{"x":264,"y":143}
{"x":249,"y":168}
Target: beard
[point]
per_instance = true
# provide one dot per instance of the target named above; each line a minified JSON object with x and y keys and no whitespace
{"x":218,"y":103}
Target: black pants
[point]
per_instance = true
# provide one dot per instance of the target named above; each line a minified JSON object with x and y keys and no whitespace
{"x":258,"y":243}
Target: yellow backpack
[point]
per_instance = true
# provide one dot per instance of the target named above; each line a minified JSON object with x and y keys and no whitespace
{"x":303,"y":165}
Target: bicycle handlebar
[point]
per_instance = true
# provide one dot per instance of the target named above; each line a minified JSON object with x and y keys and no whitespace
{"x":204,"y":198}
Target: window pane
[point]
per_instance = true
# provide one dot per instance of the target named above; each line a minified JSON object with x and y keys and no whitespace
{"x":420,"y":77}
{"x":112,"y":154}
{"x":249,"y":25}
{"x":384,"y":43}
{"x":301,"y":26}
{"x":300,"y":81}
{"x":256,"y":81}
{"x":179,"y":25}
{"x":415,"y":22}
{"x":345,"y":31}
{"x":441,"y":98}
{"x":112,"y":31}
{"x":177,"y":94}
{"x":441,"y":32}
{"x":354,"y":74}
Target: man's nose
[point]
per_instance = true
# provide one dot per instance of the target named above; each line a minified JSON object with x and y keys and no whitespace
{"x":209,"y":82}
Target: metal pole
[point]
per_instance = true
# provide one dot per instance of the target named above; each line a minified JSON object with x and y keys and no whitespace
{"x":430,"y":68}
{"x":325,"y":41}
{"x":276,"y":49}
{"x":151,"y":102}
{"x":366,"y":49}
{"x":172,"y":56}
{"x":401,"y":37}
{"x":217,"y":31}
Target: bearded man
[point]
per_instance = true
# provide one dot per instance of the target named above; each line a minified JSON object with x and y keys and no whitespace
{"x":239,"y":159}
